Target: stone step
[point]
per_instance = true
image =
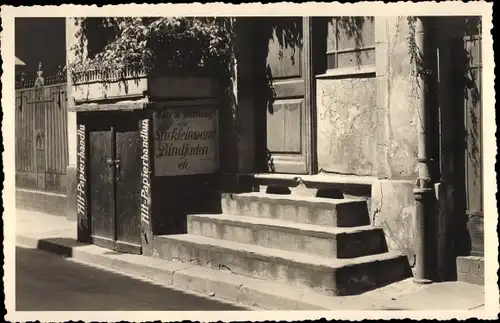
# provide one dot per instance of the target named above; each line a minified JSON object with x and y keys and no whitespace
{"x":300,"y":209}
{"x":353,"y":186}
{"x":323,"y":241}
{"x":329,"y":276}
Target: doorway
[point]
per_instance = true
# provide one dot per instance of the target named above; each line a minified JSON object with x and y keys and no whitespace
{"x":467,"y":80}
{"x":114,"y":176}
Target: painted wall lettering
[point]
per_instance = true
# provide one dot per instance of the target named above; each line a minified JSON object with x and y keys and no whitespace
{"x":145,"y":178}
{"x":81,"y":195}
{"x":186,"y":141}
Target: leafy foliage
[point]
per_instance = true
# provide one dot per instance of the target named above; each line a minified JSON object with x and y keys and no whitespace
{"x":415,"y":53}
{"x":152,"y":45}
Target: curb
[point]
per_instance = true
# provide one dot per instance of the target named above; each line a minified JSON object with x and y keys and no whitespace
{"x":247,"y":292}
{"x":241,"y":291}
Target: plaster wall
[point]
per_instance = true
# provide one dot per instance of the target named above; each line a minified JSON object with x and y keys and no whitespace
{"x":393,"y":204}
{"x":367,"y":124}
{"x":347,"y":120}
{"x":393,"y":209}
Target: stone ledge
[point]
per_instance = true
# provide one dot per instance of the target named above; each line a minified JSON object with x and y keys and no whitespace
{"x":347,"y":72}
{"x":321,"y":178}
{"x":349,"y":185}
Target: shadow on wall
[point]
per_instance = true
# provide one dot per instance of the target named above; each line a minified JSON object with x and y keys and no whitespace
{"x":287,"y":34}
{"x":467,"y":141}
{"x":351,"y":28}
{"x":177,"y":197}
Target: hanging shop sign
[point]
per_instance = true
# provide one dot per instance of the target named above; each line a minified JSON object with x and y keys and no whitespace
{"x":185,"y":141}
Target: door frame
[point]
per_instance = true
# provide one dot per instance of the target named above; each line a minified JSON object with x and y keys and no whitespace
{"x":310,"y":95}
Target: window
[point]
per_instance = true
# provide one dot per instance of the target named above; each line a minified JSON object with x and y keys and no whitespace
{"x":350,"y":42}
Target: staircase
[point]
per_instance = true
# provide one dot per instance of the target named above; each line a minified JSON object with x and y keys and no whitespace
{"x":327,"y":245}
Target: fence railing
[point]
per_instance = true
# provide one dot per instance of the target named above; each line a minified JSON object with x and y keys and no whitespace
{"x":51,"y":80}
{"x":41,"y":138}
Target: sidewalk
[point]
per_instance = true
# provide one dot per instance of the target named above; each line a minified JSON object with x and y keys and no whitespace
{"x":57,"y":235}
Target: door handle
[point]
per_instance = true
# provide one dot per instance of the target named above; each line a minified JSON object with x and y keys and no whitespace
{"x":117,"y":164}
{"x":110,"y":162}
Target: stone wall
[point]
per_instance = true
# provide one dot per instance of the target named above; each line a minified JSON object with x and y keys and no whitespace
{"x":470,"y":270}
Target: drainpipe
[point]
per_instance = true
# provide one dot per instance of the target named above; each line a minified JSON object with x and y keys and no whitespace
{"x":423,"y":187}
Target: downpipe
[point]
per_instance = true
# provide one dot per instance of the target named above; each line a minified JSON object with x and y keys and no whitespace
{"x":424,"y":233}
{"x":424,"y":250}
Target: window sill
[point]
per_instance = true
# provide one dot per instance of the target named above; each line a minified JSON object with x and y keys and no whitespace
{"x":348,"y":71}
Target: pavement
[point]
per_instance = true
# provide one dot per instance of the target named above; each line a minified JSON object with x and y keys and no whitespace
{"x":47,"y":282}
{"x":57,"y":235}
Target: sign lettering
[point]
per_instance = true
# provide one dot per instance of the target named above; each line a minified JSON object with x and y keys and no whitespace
{"x":81,"y":196}
{"x":145,"y":179}
{"x":186,"y":141}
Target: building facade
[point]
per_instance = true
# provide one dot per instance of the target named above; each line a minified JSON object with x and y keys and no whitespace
{"x":369,"y":108}
{"x":359,"y":105}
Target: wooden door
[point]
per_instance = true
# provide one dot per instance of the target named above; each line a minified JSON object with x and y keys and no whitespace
{"x":101,"y":180}
{"x":128,"y":179}
{"x":115,"y":168}
{"x":286,"y":126}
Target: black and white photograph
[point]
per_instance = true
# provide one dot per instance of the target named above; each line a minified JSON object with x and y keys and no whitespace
{"x":209,"y":162}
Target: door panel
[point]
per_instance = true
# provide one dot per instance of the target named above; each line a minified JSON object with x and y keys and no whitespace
{"x":101,"y":182}
{"x":285,"y":118}
{"x":286,"y":115}
{"x":128,"y":146}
